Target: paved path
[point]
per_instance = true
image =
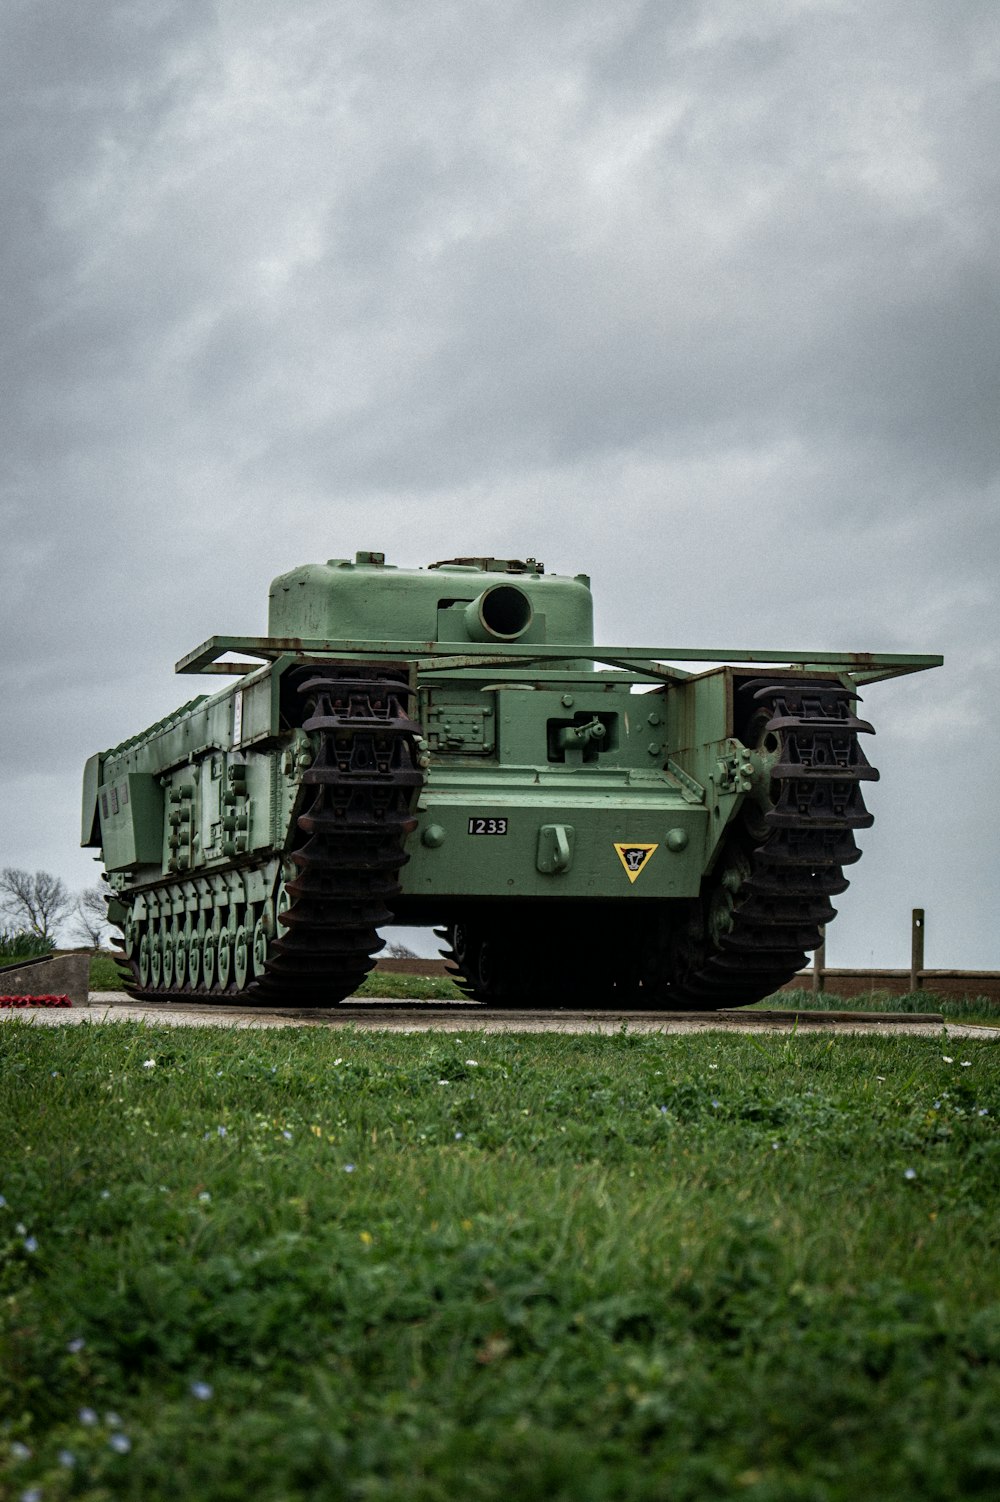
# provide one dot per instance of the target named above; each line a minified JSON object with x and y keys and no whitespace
{"x":416,"y":1017}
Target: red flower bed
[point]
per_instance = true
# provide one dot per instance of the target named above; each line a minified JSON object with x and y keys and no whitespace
{"x":35,"y":1001}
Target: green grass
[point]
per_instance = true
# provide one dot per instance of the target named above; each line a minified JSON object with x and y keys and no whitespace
{"x":490,"y":1267}
{"x":978,"y":1009}
{"x":105,"y":976}
{"x":18,"y":946}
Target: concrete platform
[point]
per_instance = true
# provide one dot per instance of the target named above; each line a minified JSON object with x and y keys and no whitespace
{"x":414,"y":1017}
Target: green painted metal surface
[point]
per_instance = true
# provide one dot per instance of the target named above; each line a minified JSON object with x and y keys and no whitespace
{"x":554,"y":768}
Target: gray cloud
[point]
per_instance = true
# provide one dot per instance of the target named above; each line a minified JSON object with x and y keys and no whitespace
{"x":701,"y":299}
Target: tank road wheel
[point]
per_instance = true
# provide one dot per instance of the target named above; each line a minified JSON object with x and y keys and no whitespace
{"x":462,"y":947}
{"x":168,"y":938}
{"x":181,"y":950}
{"x":491,"y":964}
{"x":145,"y":960}
{"x":261,"y":938}
{"x":195,"y":944}
{"x":224,"y":957}
{"x":156,"y":958}
{"x":130,"y":936}
{"x":463,"y":951}
{"x":209,"y":953}
{"x":241,"y":953}
{"x":485,"y":974}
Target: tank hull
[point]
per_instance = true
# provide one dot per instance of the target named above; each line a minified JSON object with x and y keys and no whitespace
{"x":566,"y":815}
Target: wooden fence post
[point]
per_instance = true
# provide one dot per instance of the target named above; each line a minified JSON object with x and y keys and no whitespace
{"x":917,"y":949}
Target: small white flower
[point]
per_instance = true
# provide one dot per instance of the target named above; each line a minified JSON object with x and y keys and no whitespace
{"x":222,"y":1131}
{"x":120,"y":1443}
{"x":3,"y":1203}
{"x":458,"y":1135}
{"x":965,"y":1064}
{"x":472,"y":1063}
{"x":19,"y":1451}
{"x":336,"y":1062}
{"x":443,"y":1082}
{"x":664,"y":1111}
{"x":33,"y":1494}
{"x":205,"y":1197}
{"x":201,"y":1390}
{"x":113,"y":1420}
{"x":87,"y":1416}
{"x":76,"y":1344}
{"x":149,"y":1063}
{"x":31,"y":1243}
{"x":716,"y":1104}
{"x":287,"y":1136}
{"x":711,"y":1066}
{"x":348,"y":1167}
{"x":909,"y":1173}
{"x":21,"y":1228}
{"x":66,"y":1458}
{"x":947,"y":1058}
{"x":983,"y":1112}
{"x":774,"y":1147}
{"x":880,"y":1078}
{"x":105,"y":1194}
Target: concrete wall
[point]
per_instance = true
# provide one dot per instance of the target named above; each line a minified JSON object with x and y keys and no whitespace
{"x":62,"y":975}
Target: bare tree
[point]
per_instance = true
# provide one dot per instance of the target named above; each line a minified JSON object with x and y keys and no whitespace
{"x":35,"y":900}
{"x":90,"y":918}
{"x":396,"y":950}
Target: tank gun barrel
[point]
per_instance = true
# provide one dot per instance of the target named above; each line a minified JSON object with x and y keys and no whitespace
{"x":573,"y":736}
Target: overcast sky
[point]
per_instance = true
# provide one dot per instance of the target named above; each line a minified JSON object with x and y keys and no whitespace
{"x":699,"y":298}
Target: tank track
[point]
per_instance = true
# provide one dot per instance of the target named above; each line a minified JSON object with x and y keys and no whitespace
{"x":767,"y":902}
{"x":763,"y":907}
{"x":358,"y":791}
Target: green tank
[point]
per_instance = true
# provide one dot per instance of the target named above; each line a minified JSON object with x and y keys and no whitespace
{"x":448,"y":746}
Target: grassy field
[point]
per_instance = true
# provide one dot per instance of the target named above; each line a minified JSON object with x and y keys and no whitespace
{"x":346,"y":1265}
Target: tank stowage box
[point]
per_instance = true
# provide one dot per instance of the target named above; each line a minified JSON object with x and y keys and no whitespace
{"x":449,"y":746}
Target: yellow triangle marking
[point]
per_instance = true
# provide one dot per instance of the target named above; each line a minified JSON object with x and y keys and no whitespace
{"x":634,"y":857}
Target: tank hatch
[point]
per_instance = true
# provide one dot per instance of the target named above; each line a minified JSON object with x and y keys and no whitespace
{"x":494,"y":565}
